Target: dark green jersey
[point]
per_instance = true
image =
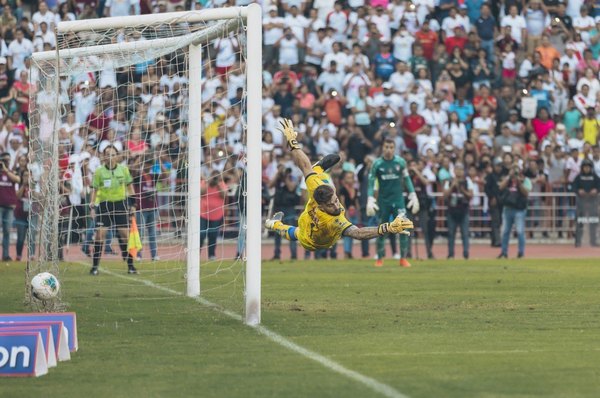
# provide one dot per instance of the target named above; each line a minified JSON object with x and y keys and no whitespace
{"x":392,"y":178}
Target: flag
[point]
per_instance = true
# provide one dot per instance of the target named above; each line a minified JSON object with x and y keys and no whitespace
{"x":135,"y":243}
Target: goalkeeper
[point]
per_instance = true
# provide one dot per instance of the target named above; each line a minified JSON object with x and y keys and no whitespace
{"x":323,"y":221}
{"x":391,"y":174}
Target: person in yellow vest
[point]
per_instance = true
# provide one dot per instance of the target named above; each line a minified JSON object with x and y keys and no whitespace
{"x":590,"y":127}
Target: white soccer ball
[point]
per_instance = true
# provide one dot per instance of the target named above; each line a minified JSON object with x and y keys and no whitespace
{"x":44,"y":286}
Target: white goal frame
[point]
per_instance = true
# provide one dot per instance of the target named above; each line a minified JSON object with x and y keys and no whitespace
{"x":227,"y":18}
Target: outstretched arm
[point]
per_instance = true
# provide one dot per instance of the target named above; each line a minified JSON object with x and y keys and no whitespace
{"x":400,"y":225}
{"x":299,"y":157}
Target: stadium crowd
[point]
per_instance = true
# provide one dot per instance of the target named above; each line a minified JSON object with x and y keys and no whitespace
{"x":491,"y":88}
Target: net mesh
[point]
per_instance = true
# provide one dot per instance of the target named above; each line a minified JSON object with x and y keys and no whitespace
{"x":129,"y":88}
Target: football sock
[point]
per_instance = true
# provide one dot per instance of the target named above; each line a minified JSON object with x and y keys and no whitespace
{"x":404,"y":245}
{"x":97,"y":253}
{"x":124,"y":253}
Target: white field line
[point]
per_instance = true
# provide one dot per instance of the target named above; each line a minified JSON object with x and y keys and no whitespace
{"x":367,"y":381}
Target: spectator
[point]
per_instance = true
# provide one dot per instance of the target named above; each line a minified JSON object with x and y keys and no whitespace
{"x":514,"y":191}
{"x":212,"y":211}
{"x":8,"y":201}
{"x":458,"y":192}
{"x":348,"y":196}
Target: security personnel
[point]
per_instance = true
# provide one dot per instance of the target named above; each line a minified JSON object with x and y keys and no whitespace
{"x":113,"y":198}
{"x":586,"y":186}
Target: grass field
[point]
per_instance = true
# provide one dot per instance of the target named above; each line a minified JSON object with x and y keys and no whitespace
{"x":440,"y":329}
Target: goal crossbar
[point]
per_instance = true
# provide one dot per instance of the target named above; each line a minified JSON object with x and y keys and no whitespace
{"x":196,"y":38}
{"x":150,"y":19}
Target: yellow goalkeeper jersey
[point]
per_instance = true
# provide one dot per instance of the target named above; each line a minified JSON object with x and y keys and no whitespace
{"x":317,"y":229}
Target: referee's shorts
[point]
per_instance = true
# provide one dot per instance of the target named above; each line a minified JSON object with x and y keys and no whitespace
{"x":112,"y":214}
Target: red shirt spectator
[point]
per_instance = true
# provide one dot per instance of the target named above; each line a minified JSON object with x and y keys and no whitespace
{"x":212,"y":205}
{"x":413,"y":125}
{"x":428,"y":40}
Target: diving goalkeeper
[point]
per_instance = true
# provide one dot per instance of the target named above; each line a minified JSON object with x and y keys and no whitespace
{"x":323,"y":221}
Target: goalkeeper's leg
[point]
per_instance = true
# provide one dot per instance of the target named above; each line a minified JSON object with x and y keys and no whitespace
{"x":285,"y":231}
{"x":384,"y":216}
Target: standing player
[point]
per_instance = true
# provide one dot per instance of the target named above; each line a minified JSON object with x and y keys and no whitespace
{"x":391,"y":173}
{"x":323,"y":220}
{"x":112,"y":195}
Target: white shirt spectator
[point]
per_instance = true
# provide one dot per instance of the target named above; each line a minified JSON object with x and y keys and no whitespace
{"x":47,"y":17}
{"x":582,"y":23}
{"x":593,"y":84}
{"x":318,"y":49}
{"x":84,"y":106}
{"x":401,"y":82}
{"x":426,"y":142}
{"x":340,"y":57}
{"x":360,"y":23}
{"x":324,"y":7}
{"x":574,"y":8}
{"x":403,"y":46}
{"x":573,"y":167}
{"x":209,"y":87}
{"x":572,"y":61}
{"x":339,"y":21}
{"x":458,"y":133}
{"x":383,"y":25}
{"x":18,"y":51}
{"x":353,"y":82}
{"x":327,"y":145}
{"x":424,"y":8}
{"x":226,"y":48}
{"x":298,"y":24}
{"x":271,"y":35}
{"x":41,"y":38}
{"x":119,"y":8}
{"x":536,"y":20}
{"x":517,"y":24}
{"x":435,"y":119}
{"x":393,"y":101}
{"x":448,"y":25}
{"x":331,"y":81}
{"x":288,"y":51}
{"x":397,"y":12}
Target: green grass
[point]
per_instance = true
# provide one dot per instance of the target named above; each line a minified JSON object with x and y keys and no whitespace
{"x":440,"y":329}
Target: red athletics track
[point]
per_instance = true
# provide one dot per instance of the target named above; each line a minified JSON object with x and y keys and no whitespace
{"x":440,"y":250}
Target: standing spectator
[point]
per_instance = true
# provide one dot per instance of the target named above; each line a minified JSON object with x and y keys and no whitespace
{"x":147,"y":215}
{"x":43,"y":15}
{"x":485,"y":27}
{"x":428,"y":39}
{"x":273,"y":29}
{"x":8,"y":201}
{"x":212,"y":211}
{"x":536,"y":17}
{"x":413,"y":125}
{"x":586,"y":186}
{"x":458,"y":192}
{"x":492,"y":192}
{"x":517,"y":23}
{"x":348,"y":196}
{"x":423,"y":179}
{"x":591,"y":127}
{"x":514,"y":191}
{"x":19,"y":49}
{"x":299,"y":27}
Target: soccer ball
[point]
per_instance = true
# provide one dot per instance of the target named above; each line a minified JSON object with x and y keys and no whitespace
{"x":44,"y":286}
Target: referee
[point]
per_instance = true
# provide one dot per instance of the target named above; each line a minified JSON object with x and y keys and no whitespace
{"x":111,"y":202}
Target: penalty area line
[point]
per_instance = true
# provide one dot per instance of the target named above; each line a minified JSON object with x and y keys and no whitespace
{"x":333,"y":366}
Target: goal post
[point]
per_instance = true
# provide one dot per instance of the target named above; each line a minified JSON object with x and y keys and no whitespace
{"x":115,"y":43}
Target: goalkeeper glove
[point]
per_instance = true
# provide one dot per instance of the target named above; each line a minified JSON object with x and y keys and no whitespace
{"x":413,"y":203}
{"x":372,"y":207}
{"x":400,"y":225}
{"x":287,"y":128}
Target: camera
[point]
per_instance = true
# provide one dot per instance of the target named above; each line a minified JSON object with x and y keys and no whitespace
{"x":392,"y":124}
{"x":334,"y":93}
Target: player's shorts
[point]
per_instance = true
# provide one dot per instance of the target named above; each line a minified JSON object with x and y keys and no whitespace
{"x":112,"y":214}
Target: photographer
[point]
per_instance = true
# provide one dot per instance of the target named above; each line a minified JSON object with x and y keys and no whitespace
{"x":514,"y":191}
{"x":492,"y":191}
{"x":586,"y":186}
{"x":286,"y":199}
{"x":8,"y":201}
{"x":423,"y":179}
{"x":458,"y":192}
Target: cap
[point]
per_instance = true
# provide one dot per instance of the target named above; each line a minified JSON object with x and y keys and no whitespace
{"x":513,"y":112}
{"x":561,"y":126}
{"x":84,"y":155}
{"x":463,"y":6}
{"x":273,"y":8}
{"x":497,"y":161}
{"x":387,"y":85}
{"x":2,"y":60}
{"x":587,"y":162}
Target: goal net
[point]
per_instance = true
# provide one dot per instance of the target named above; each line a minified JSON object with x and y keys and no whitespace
{"x":173,"y":94}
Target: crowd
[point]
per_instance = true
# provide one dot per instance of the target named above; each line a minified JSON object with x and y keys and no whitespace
{"x":485,"y":87}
